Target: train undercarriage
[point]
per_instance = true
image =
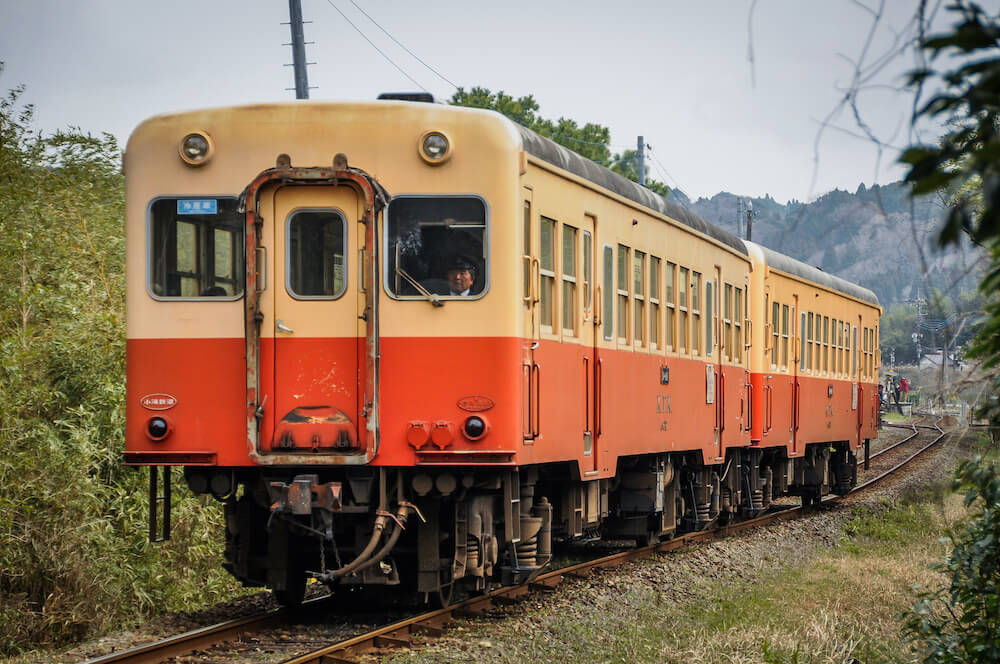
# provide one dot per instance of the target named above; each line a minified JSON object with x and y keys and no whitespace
{"x":429,"y":533}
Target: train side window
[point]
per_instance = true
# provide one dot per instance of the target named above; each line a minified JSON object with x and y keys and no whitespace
{"x":854,"y":353}
{"x":639,"y":291}
{"x":588,"y":274}
{"x":682,"y":309}
{"x":196,"y":248}
{"x":727,"y":321}
{"x":569,"y":280}
{"x":526,"y":254}
{"x":695,"y":313}
{"x":623,"y":269}
{"x":738,"y":324}
{"x":826,"y":344}
{"x":784,"y":336}
{"x":428,"y":237}
{"x":775,"y":333}
{"x":654,"y":303}
{"x":608,"y":319}
{"x":834,"y":348}
{"x":802,"y":342}
{"x":316,"y":251}
{"x":810,"y":344}
{"x":670,"y":305}
{"x":547,"y":261}
{"x":709,"y":316}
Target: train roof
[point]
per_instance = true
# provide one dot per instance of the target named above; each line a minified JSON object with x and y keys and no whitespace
{"x":814,"y":274}
{"x":555,"y":154}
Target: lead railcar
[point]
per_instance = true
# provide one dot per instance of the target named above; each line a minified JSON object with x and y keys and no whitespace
{"x":294,"y":344}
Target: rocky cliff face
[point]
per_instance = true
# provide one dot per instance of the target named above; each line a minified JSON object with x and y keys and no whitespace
{"x":877,"y":237}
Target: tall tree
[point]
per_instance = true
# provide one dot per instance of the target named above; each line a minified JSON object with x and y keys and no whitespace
{"x":590,"y":140}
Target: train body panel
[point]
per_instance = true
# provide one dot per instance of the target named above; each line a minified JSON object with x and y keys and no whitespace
{"x":422,"y":309}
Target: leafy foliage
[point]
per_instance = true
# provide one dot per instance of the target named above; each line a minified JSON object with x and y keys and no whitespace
{"x":961,"y":623}
{"x":591,"y":140}
{"x":74,"y":559}
{"x":966,"y":161}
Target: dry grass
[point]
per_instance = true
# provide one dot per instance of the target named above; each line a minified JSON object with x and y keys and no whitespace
{"x":840,"y":605}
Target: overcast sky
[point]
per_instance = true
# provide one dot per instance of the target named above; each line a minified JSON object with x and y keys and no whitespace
{"x":675,"y":71}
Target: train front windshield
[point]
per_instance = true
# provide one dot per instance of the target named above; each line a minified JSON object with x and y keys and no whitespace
{"x":437,"y":246}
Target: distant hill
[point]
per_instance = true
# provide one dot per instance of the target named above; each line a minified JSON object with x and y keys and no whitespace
{"x":874,"y":237}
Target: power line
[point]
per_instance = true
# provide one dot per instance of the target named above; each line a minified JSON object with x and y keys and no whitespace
{"x":398,"y":43}
{"x":372,"y":44}
{"x":664,"y":170}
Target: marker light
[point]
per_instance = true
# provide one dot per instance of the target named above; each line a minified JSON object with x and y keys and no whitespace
{"x":196,"y":148}
{"x":435,"y":148}
{"x":474,"y":428}
{"x":157,"y":428}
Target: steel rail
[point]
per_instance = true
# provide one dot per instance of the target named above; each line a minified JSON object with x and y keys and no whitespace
{"x":432,"y":623}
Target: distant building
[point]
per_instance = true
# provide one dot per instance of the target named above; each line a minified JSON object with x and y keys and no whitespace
{"x":933,"y":361}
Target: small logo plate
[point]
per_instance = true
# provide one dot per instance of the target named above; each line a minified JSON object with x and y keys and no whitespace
{"x":158,"y":402}
{"x":475,"y":403}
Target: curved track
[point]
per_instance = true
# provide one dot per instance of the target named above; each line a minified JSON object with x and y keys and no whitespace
{"x":432,"y":623}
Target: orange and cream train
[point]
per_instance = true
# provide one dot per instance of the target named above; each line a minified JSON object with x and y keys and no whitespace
{"x":411,"y":345}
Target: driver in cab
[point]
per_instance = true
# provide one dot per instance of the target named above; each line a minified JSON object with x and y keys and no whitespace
{"x":461,"y":276}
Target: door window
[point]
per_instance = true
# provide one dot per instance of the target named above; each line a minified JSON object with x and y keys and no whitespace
{"x":316,"y":254}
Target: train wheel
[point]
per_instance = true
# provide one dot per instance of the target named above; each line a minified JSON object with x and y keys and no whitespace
{"x":437,"y":550}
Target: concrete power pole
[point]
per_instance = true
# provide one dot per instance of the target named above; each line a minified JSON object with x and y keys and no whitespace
{"x":640,"y":152}
{"x":749,"y":219}
{"x":298,"y":45}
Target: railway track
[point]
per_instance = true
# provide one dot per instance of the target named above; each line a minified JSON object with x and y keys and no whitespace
{"x":431,"y":624}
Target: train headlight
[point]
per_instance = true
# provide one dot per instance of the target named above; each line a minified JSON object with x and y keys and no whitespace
{"x":475,"y":427}
{"x":158,"y":428}
{"x":196,"y":148}
{"x":435,"y":148}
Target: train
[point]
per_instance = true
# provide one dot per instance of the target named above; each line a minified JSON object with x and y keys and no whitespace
{"x":413,"y":347}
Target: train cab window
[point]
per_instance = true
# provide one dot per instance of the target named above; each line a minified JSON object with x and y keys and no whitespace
{"x":569,"y":280}
{"x":654,"y":302}
{"x":196,"y":248}
{"x":784,"y":335}
{"x":670,"y":304}
{"x":639,"y":292}
{"x":316,"y":246}
{"x":775,"y":333}
{"x":623,"y":269}
{"x":436,"y":245}
{"x":695,"y":313}
{"x":608,"y":318}
{"x":738,"y":325}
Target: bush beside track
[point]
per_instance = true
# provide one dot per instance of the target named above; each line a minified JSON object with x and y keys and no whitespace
{"x":74,"y":560}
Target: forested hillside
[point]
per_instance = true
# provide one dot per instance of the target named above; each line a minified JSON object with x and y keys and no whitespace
{"x":877,"y":237}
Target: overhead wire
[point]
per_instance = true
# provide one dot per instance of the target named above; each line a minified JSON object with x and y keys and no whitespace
{"x":400,"y":44}
{"x":372,"y":44}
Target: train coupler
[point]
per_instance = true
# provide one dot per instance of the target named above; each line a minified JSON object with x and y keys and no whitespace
{"x":304,"y":494}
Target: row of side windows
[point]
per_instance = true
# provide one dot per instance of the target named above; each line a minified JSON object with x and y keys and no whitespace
{"x":827,"y":346}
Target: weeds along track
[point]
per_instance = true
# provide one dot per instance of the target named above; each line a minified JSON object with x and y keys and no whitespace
{"x":322,"y":631}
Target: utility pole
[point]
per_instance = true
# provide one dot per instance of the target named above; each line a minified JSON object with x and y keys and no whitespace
{"x":298,"y":45}
{"x":749,"y":219}
{"x":640,"y":151}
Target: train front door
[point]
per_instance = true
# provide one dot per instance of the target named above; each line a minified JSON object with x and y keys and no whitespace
{"x":313,"y":375}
